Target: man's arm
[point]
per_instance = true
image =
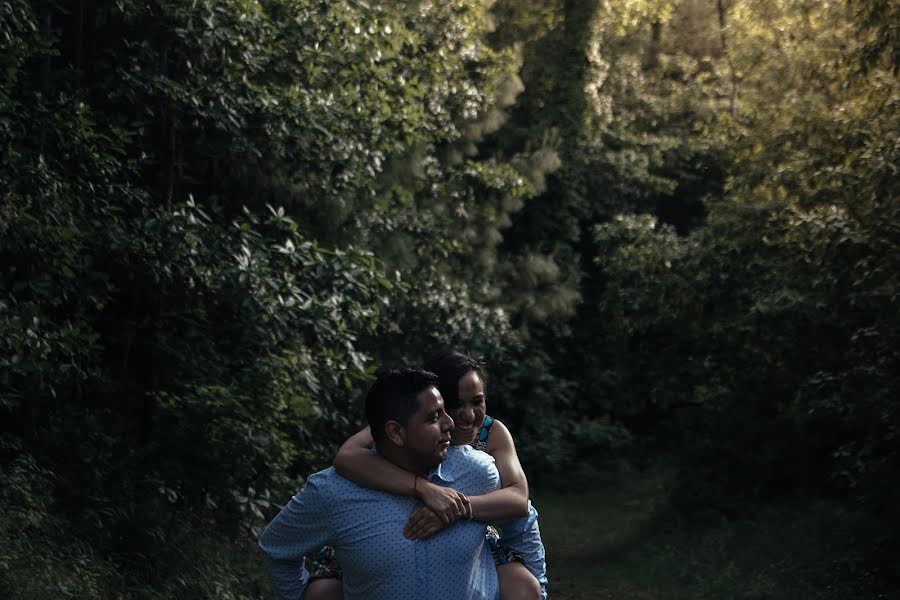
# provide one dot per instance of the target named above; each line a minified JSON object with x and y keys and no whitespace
{"x":300,"y":528}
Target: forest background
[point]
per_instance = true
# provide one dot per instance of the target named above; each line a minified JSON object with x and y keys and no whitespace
{"x":670,"y":226}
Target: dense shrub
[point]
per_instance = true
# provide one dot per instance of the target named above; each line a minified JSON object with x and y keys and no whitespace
{"x":217,"y":218}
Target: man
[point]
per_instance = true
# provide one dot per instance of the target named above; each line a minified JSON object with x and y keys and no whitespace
{"x":407,"y":419}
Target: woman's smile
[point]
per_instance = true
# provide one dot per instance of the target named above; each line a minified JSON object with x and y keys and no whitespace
{"x":469,"y":413}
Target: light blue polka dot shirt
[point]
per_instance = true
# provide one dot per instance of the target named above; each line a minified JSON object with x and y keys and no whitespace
{"x":366,"y":528}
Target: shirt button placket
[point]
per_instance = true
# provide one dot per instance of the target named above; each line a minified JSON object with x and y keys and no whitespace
{"x":421,"y":568}
{"x":423,"y":583}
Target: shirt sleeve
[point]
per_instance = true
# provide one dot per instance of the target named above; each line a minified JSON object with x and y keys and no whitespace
{"x":475,"y":472}
{"x":300,"y":528}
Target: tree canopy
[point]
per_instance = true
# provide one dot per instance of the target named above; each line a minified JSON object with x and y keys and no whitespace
{"x":667,"y":224}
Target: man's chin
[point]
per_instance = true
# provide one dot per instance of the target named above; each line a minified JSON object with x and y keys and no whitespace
{"x":435,"y":458}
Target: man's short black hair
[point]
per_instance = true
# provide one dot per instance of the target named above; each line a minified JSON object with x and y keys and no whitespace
{"x":394,"y":397}
{"x":450,"y":366}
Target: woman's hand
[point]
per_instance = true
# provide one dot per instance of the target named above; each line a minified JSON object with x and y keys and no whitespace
{"x":447,"y":504}
{"x":423,"y":524}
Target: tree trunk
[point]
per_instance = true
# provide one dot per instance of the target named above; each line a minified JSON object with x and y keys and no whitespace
{"x":723,"y":25}
{"x":651,"y":57}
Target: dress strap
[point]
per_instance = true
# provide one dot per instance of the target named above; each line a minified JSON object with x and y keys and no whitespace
{"x":481,"y":442}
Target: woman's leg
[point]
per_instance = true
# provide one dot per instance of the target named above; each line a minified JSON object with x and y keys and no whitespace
{"x":326,"y":577}
{"x":517,"y":582}
{"x":324,"y":589}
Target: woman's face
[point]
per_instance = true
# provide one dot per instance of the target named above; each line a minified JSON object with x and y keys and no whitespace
{"x":469,"y":415}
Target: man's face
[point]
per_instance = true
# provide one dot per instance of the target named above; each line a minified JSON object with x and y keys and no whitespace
{"x":428,"y":430}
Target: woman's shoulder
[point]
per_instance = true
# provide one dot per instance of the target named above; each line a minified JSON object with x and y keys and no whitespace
{"x":496,"y":425}
{"x":500,"y":437}
{"x":481,"y":440}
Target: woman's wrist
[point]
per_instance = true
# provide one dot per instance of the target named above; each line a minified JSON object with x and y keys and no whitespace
{"x":420,"y":488}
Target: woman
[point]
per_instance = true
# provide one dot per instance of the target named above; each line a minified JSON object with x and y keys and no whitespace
{"x":461,"y":381}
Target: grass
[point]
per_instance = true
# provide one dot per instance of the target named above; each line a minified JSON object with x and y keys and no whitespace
{"x":621,"y":541}
{"x":618,"y":540}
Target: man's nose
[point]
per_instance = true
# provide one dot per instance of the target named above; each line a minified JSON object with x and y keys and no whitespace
{"x":448,"y":423}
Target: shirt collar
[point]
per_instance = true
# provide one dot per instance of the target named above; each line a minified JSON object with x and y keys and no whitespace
{"x":445,"y":471}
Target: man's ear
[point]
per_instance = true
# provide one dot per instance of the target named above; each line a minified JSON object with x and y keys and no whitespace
{"x":396,"y":432}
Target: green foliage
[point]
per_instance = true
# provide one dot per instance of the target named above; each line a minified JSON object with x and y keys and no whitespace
{"x":767,"y":336}
{"x":216,"y":218}
{"x":36,"y":562}
{"x":664,"y":220}
{"x":43,"y":559}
